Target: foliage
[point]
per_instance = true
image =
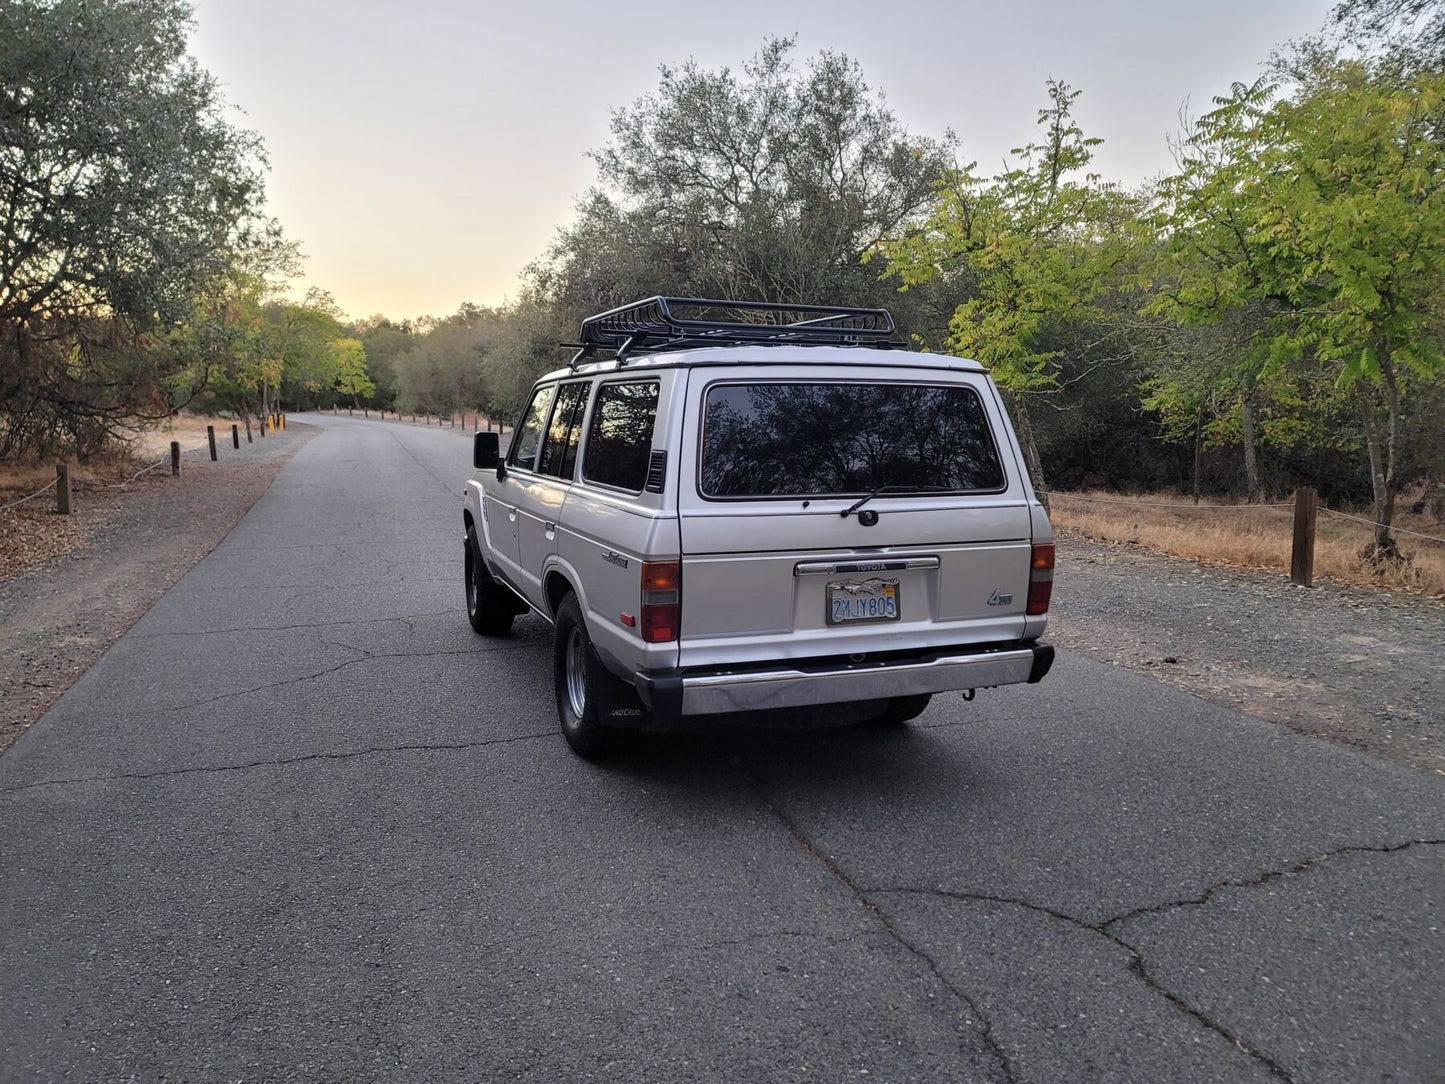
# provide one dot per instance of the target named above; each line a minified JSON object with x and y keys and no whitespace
{"x":123,"y":195}
{"x":1041,"y":241}
{"x":1324,"y":212}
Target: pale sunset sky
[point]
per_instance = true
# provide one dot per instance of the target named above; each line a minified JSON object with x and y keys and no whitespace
{"x":422,"y":153}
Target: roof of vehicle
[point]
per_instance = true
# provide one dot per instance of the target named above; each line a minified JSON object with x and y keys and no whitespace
{"x":822,"y":356}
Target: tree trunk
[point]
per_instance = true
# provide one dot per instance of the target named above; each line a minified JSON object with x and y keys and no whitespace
{"x":1384,"y":540}
{"x":1198,"y":448}
{"x":1031,"y":451}
{"x":1251,"y":456}
{"x":1378,"y":482}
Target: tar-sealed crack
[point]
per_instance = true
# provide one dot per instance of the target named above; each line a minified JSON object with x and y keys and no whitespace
{"x":1137,"y":965}
{"x":1005,"y":1065}
{"x":282,"y":762}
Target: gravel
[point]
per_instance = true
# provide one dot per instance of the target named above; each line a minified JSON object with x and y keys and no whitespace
{"x":1356,"y":666}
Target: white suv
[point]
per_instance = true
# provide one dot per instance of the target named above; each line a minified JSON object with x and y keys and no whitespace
{"x":754,"y":506}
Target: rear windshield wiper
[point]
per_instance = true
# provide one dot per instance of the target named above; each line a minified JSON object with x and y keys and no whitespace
{"x":890,"y":489}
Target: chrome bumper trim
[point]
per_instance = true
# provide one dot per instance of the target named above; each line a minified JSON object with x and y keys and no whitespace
{"x":788,"y":688}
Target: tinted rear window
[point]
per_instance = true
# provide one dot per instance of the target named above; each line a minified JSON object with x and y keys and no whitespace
{"x":620,"y":439}
{"x":819,"y":439}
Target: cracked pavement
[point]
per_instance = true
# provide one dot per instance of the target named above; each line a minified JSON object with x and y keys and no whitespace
{"x":299,"y":821}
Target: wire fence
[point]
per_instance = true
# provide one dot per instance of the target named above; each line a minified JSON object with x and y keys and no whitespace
{"x":161,"y":462}
{"x":1171,"y":506}
{"x":1175,"y":507}
{"x":43,"y":489}
{"x":1391,"y":526}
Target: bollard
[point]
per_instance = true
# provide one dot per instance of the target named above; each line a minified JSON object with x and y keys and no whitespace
{"x":366,"y":412}
{"x":211,"y":440}
{"x":175,"y":457}
{"x":248,"y":432}
{"x":283,"y":422}
{"x":1302,"y":551}
{"x":235,"y":435}
{"x":62,"y":488}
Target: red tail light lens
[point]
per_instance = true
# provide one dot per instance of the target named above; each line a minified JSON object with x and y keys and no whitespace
{"x":661,"y":601}
{"x":1041,"y":579}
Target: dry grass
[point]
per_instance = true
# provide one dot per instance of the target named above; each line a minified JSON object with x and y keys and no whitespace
{"x":31,"y":533}
{"x":189,"y":430}
{"x":1254,"y":536}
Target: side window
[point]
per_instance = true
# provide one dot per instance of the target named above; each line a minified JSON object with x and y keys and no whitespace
{"x":559,"y":451}
{"x":620,"y":439}
{"x":529,"y":429}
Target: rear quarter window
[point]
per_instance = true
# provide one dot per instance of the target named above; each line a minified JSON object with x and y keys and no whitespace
{"x":841,"y":439}
{"x":619,"y":440}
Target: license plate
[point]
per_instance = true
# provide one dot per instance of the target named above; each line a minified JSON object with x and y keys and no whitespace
{"x":852,"y":602}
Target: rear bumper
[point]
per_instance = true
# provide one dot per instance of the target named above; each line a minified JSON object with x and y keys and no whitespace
{"x":793,"y":685}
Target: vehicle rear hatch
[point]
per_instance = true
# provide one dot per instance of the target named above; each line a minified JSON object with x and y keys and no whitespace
{"x":847,"y":511}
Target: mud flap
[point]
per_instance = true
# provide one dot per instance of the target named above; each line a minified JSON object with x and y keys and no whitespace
{"x":618,"y":704}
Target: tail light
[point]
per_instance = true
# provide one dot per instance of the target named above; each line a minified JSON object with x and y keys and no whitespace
{"x":661,"y":600}
{"x":1041,"y":579}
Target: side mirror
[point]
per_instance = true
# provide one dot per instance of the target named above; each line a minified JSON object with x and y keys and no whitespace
{"x":486,"y":450}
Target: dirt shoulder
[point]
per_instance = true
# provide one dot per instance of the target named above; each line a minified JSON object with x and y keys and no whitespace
{"x":1358,"y":666}
{"x":72,"y":585}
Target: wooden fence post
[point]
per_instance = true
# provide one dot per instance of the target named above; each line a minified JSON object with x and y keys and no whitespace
{"x":235,"y":435}
{"x":175,"y":458}
{"x":62,"y":488}
{"x":211,"y":440}
{"x":1302,"y":553}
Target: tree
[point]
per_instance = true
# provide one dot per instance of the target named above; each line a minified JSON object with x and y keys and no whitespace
{"x":765,"y":184}
{"x":123,"y":193}
{"x":348,"y":359}
{"x":1329,"y":208}
{"x":1039,"y":241}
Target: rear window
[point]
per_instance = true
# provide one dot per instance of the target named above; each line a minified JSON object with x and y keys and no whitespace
{"x":822,"y":439}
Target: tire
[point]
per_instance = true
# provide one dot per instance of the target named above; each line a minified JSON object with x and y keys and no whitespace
{"x":585,"y":690}
{"x":903,"y":708}
{"x":487,"y":607}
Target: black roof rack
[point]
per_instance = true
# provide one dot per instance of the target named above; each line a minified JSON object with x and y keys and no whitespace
{"x":656,"y":324}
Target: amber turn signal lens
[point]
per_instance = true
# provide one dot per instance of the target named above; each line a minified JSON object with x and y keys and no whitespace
{"x":661,"y":575}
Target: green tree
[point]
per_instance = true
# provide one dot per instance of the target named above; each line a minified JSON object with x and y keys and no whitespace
{"x":1040,"y":243}
{"x":348,"y":359}
{"x":123,"y":194}
{"x":1328,"y":207}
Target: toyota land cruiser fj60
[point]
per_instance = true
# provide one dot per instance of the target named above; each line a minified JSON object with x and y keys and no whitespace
{"x":725,"y":506}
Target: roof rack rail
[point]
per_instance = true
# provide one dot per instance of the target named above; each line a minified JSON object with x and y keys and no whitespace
{"x":655,"y":324}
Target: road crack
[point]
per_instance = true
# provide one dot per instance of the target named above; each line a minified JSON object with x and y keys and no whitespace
{"x":365,"y":658}
{"x":1264,"y":879}
{"x":1137,"y":965}
{"x":281,"y":762}
{"x":995,"y":1048}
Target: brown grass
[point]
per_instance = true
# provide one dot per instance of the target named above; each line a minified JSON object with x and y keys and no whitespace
{"x":1255,"y":536}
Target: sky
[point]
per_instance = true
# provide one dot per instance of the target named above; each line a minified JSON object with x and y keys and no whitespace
{"x":423,"y":153}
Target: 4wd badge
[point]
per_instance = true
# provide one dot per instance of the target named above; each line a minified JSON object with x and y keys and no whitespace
{"x":997,"y":599}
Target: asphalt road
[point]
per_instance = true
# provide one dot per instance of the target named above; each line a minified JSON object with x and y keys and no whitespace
{"x":300,"y":822}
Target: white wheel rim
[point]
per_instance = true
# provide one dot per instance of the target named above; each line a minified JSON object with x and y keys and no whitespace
{"x":576,"y":678}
